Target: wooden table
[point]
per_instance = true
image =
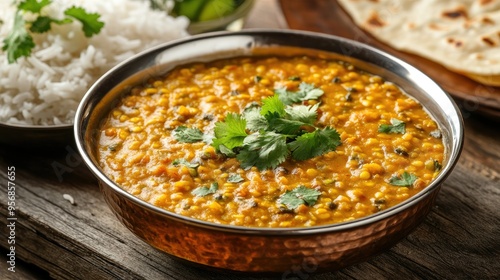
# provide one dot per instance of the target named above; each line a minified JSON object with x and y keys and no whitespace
{"x":459,"y":239}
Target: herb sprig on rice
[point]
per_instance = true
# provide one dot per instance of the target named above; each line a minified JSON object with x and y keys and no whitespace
{"x":19,"y":42}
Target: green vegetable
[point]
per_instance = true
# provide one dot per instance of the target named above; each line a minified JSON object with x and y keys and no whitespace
{"x":298,"y":196}
{"x":315,"y":143}
{"x":214,"y":9}
{"x":231,"y":132}
{"x":265,"y":137}
{"x":235,"y":178}
{"x":405,"y":180}
{"x":19,"y":42}
{"x":184,"y":162}
{"x":204,"y":191}
{"x":306,"y":92}
{"x":189,"y":8}
{"x":90,"y":22}
{"x":263,"y":150}
{"x":188,"y":135}
{"x":396,"y":126}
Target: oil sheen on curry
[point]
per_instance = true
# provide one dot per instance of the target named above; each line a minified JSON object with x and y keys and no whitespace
{"x":271,"y":141}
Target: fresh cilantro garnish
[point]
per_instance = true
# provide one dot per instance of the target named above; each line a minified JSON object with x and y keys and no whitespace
{"x":273,"y":105}
{"x":396,"y":126}
{"x":90,"y":21}
{"x":204,"y":191}
{"x":255,"y":121}
{"x":33,"y":6}
{"x":405,"y":180}
{"x":188,"y":135}
{"x":41,"y":24}
{"x":184,"y":162}
{"x":19,"y":41}
{"x":302,"y":113}
{"x":235,"y":178}
{"x":263,"y":150}
{"x":314,"y":144}
{"x":231,"y":132}
{"x":266,"y":136}
{"x":294,"y":78}
{"x":298,"y":196}
{"x":306,"y":92}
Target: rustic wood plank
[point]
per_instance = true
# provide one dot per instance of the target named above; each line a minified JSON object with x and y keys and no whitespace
{"x":266,"y":14}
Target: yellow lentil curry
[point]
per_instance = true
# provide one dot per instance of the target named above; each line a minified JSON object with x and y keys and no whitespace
{"x":194,"y":142}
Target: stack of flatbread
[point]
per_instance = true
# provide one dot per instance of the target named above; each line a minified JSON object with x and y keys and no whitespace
{"x":463,"y":35}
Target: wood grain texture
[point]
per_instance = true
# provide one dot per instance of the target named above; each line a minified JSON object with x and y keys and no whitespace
{"x":328,"y":17}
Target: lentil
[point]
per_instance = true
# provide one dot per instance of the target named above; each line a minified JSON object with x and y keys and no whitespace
{"x":137,"y":147}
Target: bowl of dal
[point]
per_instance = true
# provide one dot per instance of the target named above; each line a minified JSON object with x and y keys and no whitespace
{"x":268,"y":150}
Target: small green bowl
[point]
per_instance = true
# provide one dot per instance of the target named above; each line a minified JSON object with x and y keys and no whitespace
{"x":232,"y":22}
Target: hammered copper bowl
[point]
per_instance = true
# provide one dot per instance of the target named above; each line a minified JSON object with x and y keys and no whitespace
{"x":239,"y":248}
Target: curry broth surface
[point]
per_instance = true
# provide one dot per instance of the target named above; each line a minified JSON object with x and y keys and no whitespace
{"x":137,"y":148}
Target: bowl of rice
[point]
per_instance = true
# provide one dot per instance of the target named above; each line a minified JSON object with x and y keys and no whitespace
{"x":39,"y":94}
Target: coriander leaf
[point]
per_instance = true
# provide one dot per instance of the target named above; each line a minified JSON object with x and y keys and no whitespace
{"x":204,"y":191}
{"x":287,"y":97}
{"x":406,"y":180}
{"x":185,"y":134}
{"x":306,"y":92}
{"x":235,"y":178}
{"x":41,"y":24}
{"x":184,"y":162}
{"x":396,"y":126}
{"x":272,"y":105}
{"x":263,"y":150}
{"x":19,"y":42}
{"x":90,"y":21}
{"x":255,"y":121}
{"x":231,"y":132}
{"x":306,"y":114}
{"x":309,"y":91}
{"x":33,"y":5}
{"x":285,"y":126}
{"x":313,"y":144}
{"x":298,"y":196}
{"x":227,"y":152}
{"x":294,"y":78}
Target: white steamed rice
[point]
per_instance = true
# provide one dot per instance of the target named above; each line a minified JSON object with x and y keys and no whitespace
{"x":45,"y":89}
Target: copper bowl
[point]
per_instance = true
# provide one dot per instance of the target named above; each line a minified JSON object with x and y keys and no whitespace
{"x":279,"y":250}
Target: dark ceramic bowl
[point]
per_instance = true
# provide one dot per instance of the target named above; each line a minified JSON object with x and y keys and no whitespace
{"x":35,"y":136}
{"x":280,"y":250}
